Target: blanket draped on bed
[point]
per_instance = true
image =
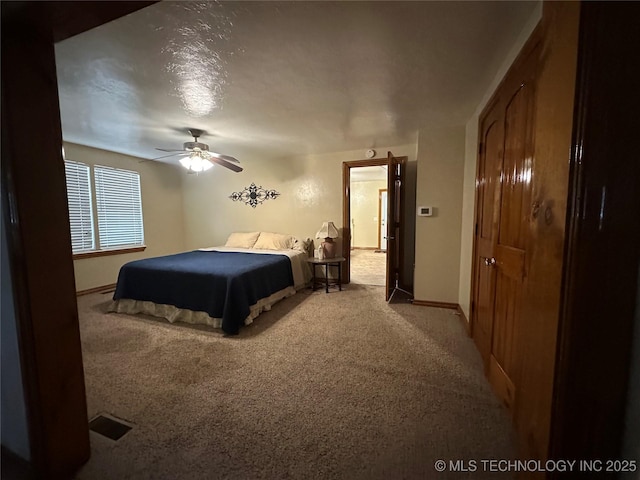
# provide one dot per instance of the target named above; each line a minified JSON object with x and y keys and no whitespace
{"x":223,"y":284}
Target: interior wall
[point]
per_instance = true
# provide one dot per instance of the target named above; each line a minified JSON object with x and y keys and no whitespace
{"x":470,"y":160}
{"x":310,"y":188}
{"x":439,"y":185}
{"x":364,"y":212}
{"x":162,"y":211}
{"x":14,"y":428}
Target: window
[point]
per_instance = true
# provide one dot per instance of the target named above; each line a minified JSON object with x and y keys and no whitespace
{"x":80,"y":210}
{"x":118,"y":208}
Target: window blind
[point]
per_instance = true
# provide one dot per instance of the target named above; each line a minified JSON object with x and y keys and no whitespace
{"x":80,"y":210}
{"x":119,"y":207}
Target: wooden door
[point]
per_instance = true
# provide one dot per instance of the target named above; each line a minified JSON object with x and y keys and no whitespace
{"x":488,"y":211}
{"x":510,"y":251}
{"x":395,"y":196}
{"x":503,"y":198}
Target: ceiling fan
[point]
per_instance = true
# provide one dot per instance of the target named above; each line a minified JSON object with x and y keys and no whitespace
{"x":197,"y":157}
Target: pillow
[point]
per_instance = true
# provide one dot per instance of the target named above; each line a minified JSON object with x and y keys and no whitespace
{"x":242,"y":240}
{"x":274,"y":241}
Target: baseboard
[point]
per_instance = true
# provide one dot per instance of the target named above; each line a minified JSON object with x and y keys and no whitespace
{"x":429,"y":303}
{"x":451,"y":306}
{"x":102,"y":289}
{"x":365,"y":248}
{"x":465,"y":321}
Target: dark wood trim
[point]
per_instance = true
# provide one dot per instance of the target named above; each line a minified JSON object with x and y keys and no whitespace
{"x":373,"y":162}
{"x":346,"y":227}
{"x":39,"y":244}
{"x":69,"y":19}
{"x":106,"y":253}
{"x":40,"y":247}
{"x":346,"y":212}
{"x":346,"y":209}
{"x":430,"y":303}
{"x":102,"y":289}
{"x":602,"y":258}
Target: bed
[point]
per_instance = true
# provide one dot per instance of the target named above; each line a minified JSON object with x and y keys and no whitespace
{"x":224,"y":287}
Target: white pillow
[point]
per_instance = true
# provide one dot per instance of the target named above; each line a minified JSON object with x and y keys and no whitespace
{"x":274,"y":241}
{"x":242,"y":239}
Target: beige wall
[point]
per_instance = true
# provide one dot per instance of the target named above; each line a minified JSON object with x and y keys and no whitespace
{"x":364,"y":212}
{"x":439,"y":185}
{"x":470,"y":159}
{"x":162,"y":209}
{"x":310,"y":189}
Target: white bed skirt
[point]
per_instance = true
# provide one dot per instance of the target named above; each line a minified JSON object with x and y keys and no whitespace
{"x":175,"y":314}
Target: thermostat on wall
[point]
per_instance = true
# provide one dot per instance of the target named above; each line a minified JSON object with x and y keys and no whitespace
{"x":425,"y":211}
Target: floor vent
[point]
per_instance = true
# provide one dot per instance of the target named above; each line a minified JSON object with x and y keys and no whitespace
{"x":109,"y":427}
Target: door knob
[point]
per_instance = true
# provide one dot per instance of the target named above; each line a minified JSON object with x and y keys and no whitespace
{"x":489,"y":262}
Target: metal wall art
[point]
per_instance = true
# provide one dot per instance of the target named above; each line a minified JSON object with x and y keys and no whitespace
{"x":253,"y":195}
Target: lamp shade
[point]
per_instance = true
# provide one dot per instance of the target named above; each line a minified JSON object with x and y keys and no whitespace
{"x":328,"y":230}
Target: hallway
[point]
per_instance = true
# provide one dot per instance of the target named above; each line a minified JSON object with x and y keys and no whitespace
{"x":368,"y":267}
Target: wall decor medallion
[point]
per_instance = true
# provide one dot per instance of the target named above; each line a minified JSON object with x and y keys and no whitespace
{"x":253,"y":195}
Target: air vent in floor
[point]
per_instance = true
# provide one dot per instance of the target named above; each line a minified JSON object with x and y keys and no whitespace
{"x":109,"y":427}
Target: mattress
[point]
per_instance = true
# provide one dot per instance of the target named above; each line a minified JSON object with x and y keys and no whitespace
{"x":219,"y":286}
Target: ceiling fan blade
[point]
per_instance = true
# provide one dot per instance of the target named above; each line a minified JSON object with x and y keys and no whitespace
{"x":170,"y":155}
{"x":167,"y":150}
{"x":228,"y":158}
{"x":231,"y":166}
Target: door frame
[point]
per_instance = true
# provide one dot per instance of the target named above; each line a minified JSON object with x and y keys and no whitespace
{"x":38,"y":244}
{"x":599,"y":318}
{"x":346,"y":210}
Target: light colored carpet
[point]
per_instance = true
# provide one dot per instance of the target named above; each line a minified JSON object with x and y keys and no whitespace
{"x":368,"y":267}
{"x":324,"y":386}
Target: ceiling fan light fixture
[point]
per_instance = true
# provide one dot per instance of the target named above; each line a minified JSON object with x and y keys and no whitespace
{"x":197,"y":157}
{"x":195,"y":163}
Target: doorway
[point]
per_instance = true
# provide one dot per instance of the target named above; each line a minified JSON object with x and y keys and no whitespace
{"x":368,"y":224}
{"x":357,"y":227}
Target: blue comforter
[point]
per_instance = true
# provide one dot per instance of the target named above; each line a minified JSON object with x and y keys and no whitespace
{"x":223,"y":284}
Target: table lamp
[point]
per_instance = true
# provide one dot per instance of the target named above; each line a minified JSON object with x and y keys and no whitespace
{"x":328,"y":231}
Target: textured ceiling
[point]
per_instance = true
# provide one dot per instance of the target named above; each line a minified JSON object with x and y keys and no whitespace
{"x":281,"y":78}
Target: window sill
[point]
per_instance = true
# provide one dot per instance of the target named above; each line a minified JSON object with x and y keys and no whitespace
{"x":105,"y":253}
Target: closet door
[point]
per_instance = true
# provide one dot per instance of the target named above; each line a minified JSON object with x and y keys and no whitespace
{"x":503,"y":207}
{"x":487,"y":218}
{"x":511,"y":246}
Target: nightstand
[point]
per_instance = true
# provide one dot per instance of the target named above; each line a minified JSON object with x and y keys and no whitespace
{"x":327,"y":262}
